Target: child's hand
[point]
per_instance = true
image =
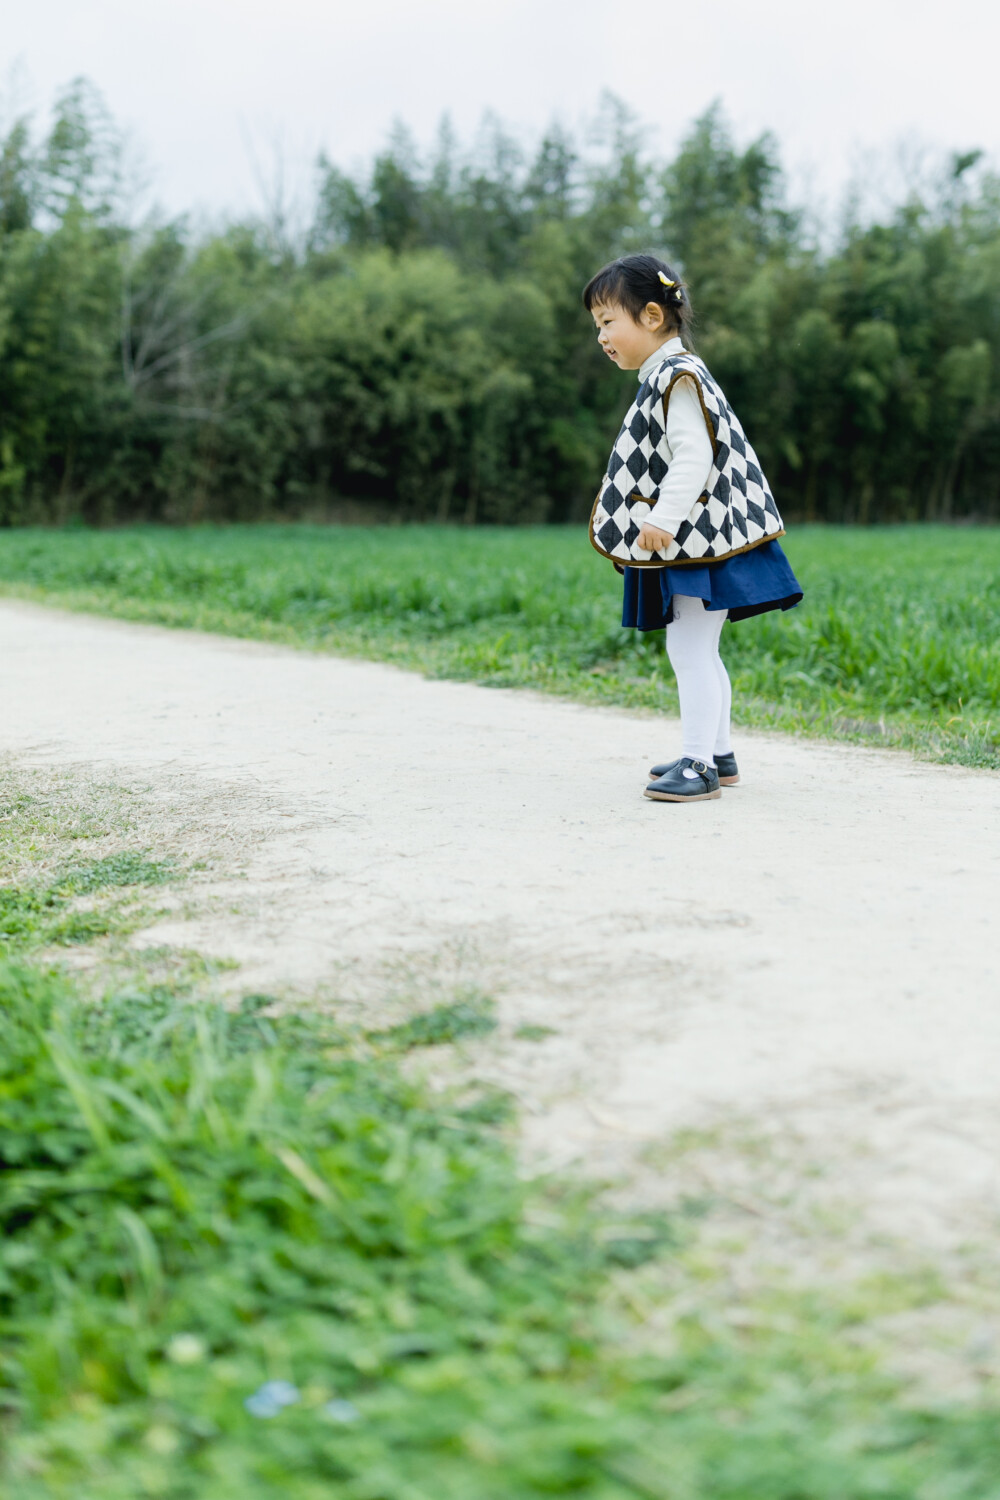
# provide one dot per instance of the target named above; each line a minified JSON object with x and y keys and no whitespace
{"x":652,"y":539}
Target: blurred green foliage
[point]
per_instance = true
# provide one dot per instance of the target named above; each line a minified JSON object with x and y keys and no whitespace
{"x":896,"y":642}
{"x":418,"y":346}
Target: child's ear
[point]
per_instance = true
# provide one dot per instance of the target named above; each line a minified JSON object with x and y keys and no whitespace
{"x":653,"y":316}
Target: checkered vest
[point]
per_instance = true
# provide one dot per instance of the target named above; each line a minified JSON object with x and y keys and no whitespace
{"x":736,"y":510}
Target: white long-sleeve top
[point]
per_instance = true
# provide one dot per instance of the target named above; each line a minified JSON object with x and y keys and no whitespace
{"x":690,"y":448}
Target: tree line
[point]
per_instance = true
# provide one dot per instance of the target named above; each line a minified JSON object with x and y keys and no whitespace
{"x":418,"y":348}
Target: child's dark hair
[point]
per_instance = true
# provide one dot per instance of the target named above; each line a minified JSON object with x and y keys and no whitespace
{"x":632,"y":281}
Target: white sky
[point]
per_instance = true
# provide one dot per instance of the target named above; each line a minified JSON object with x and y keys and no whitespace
{"x":204,"y":85}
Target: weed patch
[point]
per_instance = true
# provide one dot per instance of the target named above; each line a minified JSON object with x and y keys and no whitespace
{"x":472,"y":1016}
{"x":35,"y":918}
{"x":114,"y":871}
{"x":532,"y":1033}
{"x":32,"y":917}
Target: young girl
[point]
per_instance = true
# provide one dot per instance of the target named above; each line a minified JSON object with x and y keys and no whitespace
{"x":684,"y":512}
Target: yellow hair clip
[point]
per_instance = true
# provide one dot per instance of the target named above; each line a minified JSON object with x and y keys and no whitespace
{"x":666,"y":283}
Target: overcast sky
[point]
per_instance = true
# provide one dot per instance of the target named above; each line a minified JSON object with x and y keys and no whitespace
{"x":206,"y":85}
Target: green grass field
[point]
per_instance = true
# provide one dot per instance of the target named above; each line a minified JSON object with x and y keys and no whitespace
{"x":897,"y":641}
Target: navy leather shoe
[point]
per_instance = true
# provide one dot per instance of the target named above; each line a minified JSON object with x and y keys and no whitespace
{"x":686,"y":780}
{"x":726,"y":766}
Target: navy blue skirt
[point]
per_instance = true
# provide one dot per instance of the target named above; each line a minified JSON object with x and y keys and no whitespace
{"x":748,"y":584}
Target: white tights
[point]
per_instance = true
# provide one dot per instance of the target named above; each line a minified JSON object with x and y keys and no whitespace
{"x":702,"y":680}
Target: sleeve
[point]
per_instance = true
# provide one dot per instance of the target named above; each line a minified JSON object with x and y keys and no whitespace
{"x":691,"y":461}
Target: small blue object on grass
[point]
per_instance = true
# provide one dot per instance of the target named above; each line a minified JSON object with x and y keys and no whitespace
{"x":341,"y":1411}
{"x":272,"y":1396}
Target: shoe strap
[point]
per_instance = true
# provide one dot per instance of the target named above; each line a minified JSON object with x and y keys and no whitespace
{"x":703,"y":770}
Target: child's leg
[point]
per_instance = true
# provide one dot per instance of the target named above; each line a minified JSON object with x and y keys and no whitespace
{"x":724,"y":735}
{"x":693,"y":648}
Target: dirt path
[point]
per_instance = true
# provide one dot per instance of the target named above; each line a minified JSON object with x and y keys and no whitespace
{"x":813,"y":958}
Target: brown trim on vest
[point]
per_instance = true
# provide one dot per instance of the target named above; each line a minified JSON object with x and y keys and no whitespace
{"x":690,"y":375}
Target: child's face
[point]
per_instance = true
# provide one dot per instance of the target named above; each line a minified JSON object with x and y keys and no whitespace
{"x":623,"y":339}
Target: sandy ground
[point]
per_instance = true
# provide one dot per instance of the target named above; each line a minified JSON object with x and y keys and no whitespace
{"x":811,"y":963}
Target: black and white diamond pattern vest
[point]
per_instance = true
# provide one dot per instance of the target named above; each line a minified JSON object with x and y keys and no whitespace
{"x":735,"y":511}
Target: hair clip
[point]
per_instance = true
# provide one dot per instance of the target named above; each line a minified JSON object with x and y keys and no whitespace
{"x":666,"y":283}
